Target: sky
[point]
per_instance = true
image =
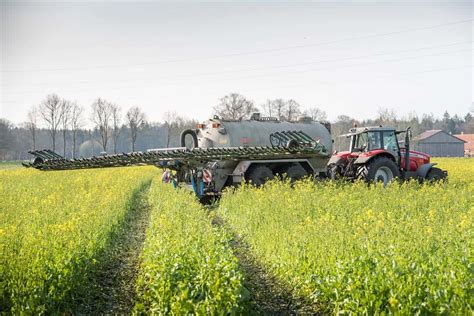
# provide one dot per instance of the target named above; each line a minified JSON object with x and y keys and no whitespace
{"x":346,"y":57}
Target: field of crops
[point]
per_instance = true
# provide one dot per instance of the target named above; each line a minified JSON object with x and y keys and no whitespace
{"x":54,"y":227}
{"x":341,"y":247}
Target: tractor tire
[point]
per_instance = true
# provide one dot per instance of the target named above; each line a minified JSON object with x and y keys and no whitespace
{"x":435,"y":175}
{"x":259,"y":175}
{"x":379,"y":169}
{"x":335,"y":172}
{"x":296,"y":172}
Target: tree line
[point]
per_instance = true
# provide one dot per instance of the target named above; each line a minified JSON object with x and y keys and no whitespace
{"x":60,"y":122}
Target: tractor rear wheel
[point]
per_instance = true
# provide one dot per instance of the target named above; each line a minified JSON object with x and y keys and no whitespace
{"x":380,"y":169}
{"x":296,"y":172}
{"x":435,"y":174}
{"x":259,"y":175}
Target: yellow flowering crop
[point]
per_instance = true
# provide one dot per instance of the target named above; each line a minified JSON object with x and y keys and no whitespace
{"x":53,"y":227}
{"x":356,"y":249}
{"x":188,"y":266}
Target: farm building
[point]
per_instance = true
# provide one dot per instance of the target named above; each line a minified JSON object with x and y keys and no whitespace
{"x":468,"y":145}
{"x":438,"y":143}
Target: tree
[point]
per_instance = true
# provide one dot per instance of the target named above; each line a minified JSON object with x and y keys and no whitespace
{"x":116,"y":113}
{"x":101,"y":116}
{"x":267,"y":108}
{"x":65,"y":117}
{"x":293,"y":109}
{"x":7,"y":139}
{"x":386,"y":116}
{"x":234,"y":107}
{"x":76,"y":124}
{"x":135,"y":119}
{"x":279,"y":108}
{"x":32,"y":124}
{"x":51,"y":113}
{"x":171,"y":123}
{"x":316,"y":114}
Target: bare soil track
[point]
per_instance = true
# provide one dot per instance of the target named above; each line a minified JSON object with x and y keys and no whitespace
{"x":268,"y":294}
{"x":112,"y":285}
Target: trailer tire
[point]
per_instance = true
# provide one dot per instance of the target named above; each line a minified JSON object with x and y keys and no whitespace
{"x":296,"y":172}
{"x":435,"y":175}
{"x":379,"y":169}
{"x":259,"y":175}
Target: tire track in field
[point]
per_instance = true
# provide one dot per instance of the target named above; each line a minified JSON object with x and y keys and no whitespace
{"x":112,"y":287}
{"x":269,"y":296}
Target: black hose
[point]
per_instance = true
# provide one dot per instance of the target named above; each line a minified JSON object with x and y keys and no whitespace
{"x":193,"y":135}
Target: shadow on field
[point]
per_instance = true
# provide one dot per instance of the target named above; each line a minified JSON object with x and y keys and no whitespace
{"x":111,"y":288}
{"x":268,"y":294}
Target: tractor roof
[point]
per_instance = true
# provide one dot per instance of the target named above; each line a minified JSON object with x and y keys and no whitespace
{"x":360,"y":130}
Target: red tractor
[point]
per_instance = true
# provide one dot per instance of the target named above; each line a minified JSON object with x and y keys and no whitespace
{"x":375,"y":155}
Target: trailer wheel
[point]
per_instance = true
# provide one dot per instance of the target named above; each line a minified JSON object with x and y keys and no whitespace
{"x":379,"y":169}
{"x":296,"y":172}
{"x":259,"y":175}
{"x":435,"y":175}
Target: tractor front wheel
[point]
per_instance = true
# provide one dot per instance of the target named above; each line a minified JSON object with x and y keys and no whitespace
{"x":381,"y":169}
{"x":435,"y":175}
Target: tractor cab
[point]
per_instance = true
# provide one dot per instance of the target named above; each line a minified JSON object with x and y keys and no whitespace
{"x":375,"y":155}
{"x":371,"y":139}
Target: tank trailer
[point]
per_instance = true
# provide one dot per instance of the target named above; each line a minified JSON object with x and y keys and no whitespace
{"x":223,"y":153}
{"x":226,"y":153}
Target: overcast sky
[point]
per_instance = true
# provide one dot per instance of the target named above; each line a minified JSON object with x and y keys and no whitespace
{"x":346,"y":58}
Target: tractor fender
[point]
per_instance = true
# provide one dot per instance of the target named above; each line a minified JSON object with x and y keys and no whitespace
{"x":336,"y":160}
{"x":362,"y":159}
{"x":423,"y":170}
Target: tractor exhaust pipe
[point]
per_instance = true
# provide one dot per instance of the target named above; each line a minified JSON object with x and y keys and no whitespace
{"x":407,"y":149}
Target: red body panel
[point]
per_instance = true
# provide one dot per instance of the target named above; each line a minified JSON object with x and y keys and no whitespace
{"x":416,"y":158}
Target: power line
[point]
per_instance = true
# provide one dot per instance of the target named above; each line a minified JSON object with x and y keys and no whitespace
{"x":310,"y":63}
{"x":249,"y":52}
{"x":281,"y":74}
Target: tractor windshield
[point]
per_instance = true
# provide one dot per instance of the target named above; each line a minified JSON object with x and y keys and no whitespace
{"x":368,"y":141}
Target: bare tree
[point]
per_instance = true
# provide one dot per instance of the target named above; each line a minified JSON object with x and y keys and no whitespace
{"x":171,"y":122}
{"x":50,"y":110}
{"x":316,"y":114}
{"x":76,"y":124}
{"x":101,"y":116}
{"x":116,"y":113}
{"x":234,"y":107}
{"x":32,"y":124}
{"x":135,"y":119}
{"x":293,"y":109}
{"x":267,"y":108}
{"x":65,"y":117}
{"x":386,"y":115}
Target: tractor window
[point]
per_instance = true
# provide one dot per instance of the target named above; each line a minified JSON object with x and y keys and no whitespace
{"x":361,"y":142}
{"x":390,"y":141}
{"x":374,"y":141}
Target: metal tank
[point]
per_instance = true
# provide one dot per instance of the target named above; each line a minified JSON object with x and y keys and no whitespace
{"x":255,"y":132}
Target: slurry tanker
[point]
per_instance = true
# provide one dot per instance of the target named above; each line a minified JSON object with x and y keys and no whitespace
{"x":228,"y":152}
{"x":223,"y":153}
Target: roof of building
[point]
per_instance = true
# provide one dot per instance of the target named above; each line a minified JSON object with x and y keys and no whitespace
{"x":427,"y":134}
{"x":469,"y":139}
